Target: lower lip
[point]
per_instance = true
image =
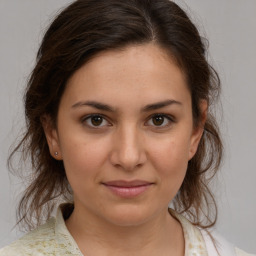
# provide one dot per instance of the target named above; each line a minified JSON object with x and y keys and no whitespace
{"x":128,"y":192}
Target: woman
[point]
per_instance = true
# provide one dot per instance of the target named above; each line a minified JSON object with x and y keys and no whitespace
{"x":118,"y":127}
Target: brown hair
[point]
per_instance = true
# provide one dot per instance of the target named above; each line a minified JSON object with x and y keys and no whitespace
{"x":84,"y":29}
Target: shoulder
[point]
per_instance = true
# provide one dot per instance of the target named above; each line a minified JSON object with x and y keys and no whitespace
{"x":217,"y":245}
{"x":206,"y":241}
{"x":52,"y":238}
{"x":34,"y":243}
{"x":242,"y":253}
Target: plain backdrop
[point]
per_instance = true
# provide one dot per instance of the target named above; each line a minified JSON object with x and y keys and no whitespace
{"x":230,"y":26}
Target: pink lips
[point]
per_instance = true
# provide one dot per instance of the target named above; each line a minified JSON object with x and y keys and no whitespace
{"x":128,"y":189}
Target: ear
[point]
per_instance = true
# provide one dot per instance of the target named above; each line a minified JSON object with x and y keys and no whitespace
{"x":51,"y":137}
{"x":198,"y":131}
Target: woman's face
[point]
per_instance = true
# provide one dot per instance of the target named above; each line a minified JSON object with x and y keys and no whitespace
{"x":125,"y":134}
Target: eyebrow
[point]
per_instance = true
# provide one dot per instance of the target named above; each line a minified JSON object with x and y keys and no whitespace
{"x":160,"y":104}
{"x":108,"y":108}
{"x":94,"y":104}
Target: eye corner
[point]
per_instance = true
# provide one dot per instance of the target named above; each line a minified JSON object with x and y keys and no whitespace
{"x":95,"y":121}
{"x":161,"y":121}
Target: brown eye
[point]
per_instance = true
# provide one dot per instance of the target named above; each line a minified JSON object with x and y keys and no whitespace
{"x":158,"y":120}
{"x":95,"y":121}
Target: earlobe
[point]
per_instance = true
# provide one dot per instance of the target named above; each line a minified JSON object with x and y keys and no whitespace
{"x":199,"y":130}
{"x":51,"y":137}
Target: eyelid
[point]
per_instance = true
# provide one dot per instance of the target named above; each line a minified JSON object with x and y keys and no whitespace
{"x":170,"y":119}
{"x":86,"y":117}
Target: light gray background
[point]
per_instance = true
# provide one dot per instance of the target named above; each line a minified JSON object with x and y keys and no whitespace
{"x":230,"y":26}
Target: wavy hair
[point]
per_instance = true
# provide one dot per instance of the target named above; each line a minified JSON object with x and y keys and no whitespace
{"x":76,"y":35}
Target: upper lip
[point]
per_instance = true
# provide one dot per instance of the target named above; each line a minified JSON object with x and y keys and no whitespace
{"x":123,"y":183}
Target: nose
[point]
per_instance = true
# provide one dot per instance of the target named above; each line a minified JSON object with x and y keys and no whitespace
{"x":128,"y":152}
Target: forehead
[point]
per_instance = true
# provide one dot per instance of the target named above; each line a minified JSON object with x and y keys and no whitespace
{"x":143,"y":71}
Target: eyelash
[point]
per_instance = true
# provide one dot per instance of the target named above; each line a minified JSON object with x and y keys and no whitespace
{"x":170,"y":119}
{"x":89,"y":117}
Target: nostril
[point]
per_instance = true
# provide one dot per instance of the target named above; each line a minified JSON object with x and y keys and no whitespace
{"x":127,"y":162}
{"x":128,"y":152}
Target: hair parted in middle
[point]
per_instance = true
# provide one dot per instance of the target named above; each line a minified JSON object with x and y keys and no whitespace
{"x":79,"y":32}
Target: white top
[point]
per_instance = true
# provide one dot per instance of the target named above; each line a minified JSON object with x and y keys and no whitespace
{"x":54,"y":239}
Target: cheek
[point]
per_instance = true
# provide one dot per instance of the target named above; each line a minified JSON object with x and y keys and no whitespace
{"x":170,"y":159}
{"x":172,"y":151}
{"x":83,"y":158}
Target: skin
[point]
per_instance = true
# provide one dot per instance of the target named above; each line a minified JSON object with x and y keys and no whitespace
{"x":130,"y":143}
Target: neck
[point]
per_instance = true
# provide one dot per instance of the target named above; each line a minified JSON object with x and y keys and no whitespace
{"x":161,"y":235}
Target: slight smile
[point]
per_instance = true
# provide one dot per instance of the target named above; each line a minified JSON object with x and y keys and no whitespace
{"x":128,"y":189}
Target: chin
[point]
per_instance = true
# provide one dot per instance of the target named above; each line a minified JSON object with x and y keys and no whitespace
{"x":129,"y":216}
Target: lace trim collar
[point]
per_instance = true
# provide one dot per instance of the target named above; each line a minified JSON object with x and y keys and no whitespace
{"x":194,"y":241}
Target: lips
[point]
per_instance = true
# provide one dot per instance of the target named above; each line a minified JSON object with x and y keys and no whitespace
{"x":128,"y":189}
{"x":122,"y":183}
